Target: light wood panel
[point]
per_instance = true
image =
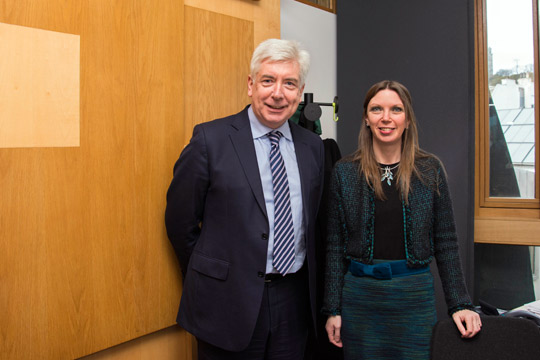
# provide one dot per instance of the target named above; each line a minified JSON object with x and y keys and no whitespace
{"x":84,"y":260}
{"x":85,"y":263}
{"x":264,"y":14}
{"x":167,"y":344}
{"x":218,"y":51}
{"x":39,"y":87}
{"x":507,"y":231}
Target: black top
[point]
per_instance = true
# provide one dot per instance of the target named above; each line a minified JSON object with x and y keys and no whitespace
{"x":389,"y":237}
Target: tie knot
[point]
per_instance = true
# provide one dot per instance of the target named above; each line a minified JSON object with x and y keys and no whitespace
{"x":274,"y":137}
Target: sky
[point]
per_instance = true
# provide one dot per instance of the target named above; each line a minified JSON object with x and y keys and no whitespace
{"x":510,"y":32}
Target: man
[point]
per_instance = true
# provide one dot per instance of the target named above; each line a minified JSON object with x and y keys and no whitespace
{"x":247,"y":251}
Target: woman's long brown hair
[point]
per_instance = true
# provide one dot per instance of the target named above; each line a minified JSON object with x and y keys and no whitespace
{"x":410,"y":150}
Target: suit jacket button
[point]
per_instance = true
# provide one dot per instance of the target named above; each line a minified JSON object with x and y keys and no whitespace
{"x":260,"y":274}
{"x":264,"y":236}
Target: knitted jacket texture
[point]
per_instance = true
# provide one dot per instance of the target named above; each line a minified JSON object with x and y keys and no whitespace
{"x":429,"y":230}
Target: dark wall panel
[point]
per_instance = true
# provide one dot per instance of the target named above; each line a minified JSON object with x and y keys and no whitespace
{"x":428,"y":46}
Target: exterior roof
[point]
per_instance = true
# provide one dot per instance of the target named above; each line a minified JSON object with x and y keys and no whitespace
{"x":518,"y":129}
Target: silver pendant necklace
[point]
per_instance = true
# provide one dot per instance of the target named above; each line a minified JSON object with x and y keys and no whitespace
{"x":387,"y":173}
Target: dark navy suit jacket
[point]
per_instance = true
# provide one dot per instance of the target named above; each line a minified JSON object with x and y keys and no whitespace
{"x":217,"y":223}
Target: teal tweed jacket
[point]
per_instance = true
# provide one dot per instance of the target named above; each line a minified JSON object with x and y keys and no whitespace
{"x":429,"y":230}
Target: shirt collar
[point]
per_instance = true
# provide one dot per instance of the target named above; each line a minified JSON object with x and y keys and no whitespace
{"x":259,"y":130}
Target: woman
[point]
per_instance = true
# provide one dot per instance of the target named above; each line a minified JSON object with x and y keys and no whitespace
{"x":390,"y":213}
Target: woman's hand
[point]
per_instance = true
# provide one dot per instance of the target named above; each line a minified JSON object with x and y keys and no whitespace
{"x":472,"y":321}
{"x":333,"y":328}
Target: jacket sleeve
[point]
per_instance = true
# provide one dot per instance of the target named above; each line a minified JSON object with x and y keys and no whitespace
{"x":186,"y":197}
{"x":446,"y":248}
{"x":335,"y":246}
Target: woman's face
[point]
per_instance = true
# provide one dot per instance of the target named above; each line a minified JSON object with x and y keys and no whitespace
{"x":386,"y":118}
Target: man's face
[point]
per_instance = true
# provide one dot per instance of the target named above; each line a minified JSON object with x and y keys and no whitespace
{"x":275,"y":92}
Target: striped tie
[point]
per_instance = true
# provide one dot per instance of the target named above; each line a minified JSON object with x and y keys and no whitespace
{"x":283,"y":255}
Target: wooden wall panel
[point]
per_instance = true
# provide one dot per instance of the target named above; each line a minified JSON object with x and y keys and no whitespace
{"x":515,"y":231}
{"x":215,"y":77}
{"x":167,"y":344}
{"x":85,"y":263}
{"x":264,"y":14}
{"x":84,"y":260}
{"x":39,"y":87}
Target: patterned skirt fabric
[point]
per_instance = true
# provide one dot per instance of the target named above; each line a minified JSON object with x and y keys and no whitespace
{"x":388,"y":319}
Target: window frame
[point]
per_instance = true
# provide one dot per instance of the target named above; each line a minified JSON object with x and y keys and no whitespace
{"x":501,"y":220}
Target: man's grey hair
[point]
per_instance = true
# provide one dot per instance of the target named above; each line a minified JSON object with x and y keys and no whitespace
{"x":280,"y":50}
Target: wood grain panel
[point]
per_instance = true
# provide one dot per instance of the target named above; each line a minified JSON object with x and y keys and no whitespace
{"x":264,"y":14}
{"x":167,"y":344}
{"x":39,"y":87}
{"x":218,"y":51}
{"x":84,"y":260}
{"x":507,"y":231}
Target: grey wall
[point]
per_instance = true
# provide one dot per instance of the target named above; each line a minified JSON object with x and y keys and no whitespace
{"x":316,"y":30}
{"x":428,"y":46}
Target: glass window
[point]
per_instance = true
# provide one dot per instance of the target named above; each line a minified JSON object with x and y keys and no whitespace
{"x":507,"y":122}
{"x":507,"y":200}
{"x":511,"y":84}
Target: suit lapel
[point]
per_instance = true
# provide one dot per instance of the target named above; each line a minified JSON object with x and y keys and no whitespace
{"x":242,"y":140}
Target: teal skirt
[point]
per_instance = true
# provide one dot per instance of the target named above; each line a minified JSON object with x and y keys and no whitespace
{"x":387,"y":319}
